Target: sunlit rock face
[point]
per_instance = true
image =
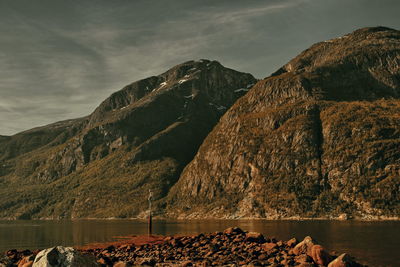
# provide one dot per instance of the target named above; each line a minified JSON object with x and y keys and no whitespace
{"x":319,"y":137}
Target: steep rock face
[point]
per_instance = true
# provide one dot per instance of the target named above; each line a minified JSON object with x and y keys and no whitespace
{"x":319,"y":137}
{"x":139,"y":138}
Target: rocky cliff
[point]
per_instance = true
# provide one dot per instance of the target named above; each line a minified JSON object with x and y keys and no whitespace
{"x":318,"y":138}
{"x":139,"y":138}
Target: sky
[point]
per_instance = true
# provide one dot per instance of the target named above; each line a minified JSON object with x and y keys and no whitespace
{"x":60,"y":59}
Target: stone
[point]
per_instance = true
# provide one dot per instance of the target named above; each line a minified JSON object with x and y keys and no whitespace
{"x":233,"y":230}
{"x":26,"y":261}
{"x":121,"y":264}
{"x":186,"y":264}
{"x":306,"y":264}
{"x":304,"y":246}
{"x":262,"y":257}
{"x":176,"y":243}
{"x":147,"y":261}
{"x":303,"y":258}
{"x":62,"y":257}
{"x":344,"y":260}
{"x":320,"y":255}
{"x":269,"y":246}
{"x":292,"y":242}
{"x":254,"y":237}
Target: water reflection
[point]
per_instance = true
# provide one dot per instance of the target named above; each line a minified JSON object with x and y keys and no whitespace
{"x":376,"y":242}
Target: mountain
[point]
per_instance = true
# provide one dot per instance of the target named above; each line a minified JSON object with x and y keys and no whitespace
{"x":139,"y":138}
{"x":320,"y":137}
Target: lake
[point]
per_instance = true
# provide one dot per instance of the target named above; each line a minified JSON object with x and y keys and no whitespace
{"x":372,"y":243}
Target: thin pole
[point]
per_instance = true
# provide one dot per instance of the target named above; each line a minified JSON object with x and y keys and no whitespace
{"x":150,"y":223}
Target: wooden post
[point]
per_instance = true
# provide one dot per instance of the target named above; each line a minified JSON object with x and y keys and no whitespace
{"x":150,"y":230}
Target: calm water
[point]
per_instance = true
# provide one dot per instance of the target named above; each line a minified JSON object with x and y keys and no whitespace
{"x":374,"y":243}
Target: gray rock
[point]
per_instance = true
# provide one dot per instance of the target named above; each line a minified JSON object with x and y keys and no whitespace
{"x":62,"y":257}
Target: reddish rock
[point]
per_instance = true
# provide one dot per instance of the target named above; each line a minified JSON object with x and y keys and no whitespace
{"x":269,"y":246}
{"x":262,"y":257}
{"x":303,"y":258}
{"x":121,"y":264}
{"x":147,"y":261}
{"x":223,"y":252}
{"x":306,"y":264}
{"x":176,"y":243}
{"x":104,"y":261}
{"x":254,"y":237}
{"x":292,"y":242}
{"x":168,"y":238}
{"x":320,"y":255}
{"x":25,"y":262}
{"x":186,"y":264}
{"x":233,"y":230}
{"x":304,"y":247}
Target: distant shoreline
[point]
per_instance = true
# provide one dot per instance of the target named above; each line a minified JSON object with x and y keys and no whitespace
{"x":377,"y":219}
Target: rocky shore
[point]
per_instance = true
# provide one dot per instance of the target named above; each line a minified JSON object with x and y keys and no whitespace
{"x":232,"y":247}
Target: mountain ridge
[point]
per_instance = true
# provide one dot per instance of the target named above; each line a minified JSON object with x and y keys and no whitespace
{"x":318,"y":138}
{"x":287,"y":153}
{"x":155,"y":123}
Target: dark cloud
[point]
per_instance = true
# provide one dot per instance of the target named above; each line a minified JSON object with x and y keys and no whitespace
{"x":60,"y":59}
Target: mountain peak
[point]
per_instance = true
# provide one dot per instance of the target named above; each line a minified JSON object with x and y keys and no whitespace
{"x":139,"y":138}
{"x":362,"y":65}
{"x":186,"y":79}
{"x":370,"y":30}
{"x":317,"y":138}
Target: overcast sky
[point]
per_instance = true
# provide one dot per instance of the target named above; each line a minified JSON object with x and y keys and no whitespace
{"x":60,"y":59}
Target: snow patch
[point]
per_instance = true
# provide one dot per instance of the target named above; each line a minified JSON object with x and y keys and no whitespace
{"x":250,"y":85}
{"x":241,"y":90}
{"x":182,"y":81}
{"x":221,"y":108}
{"x":160,"y":86}
{"x":189,"y":96}
{"x":218,"y":107}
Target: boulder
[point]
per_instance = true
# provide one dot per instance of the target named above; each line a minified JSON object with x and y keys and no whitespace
{"x":233,"y":230}
{"x":304,"y":247}
{"x":320,"y":255}
{"x":292,"y":242}
{"x":344,"y":260}
{"x":26,"y":261}
{"x":62,"y":257}
{"x":121,"y":264}
{"x":269,"y":246}
{"x":254,"y":237}
{"x":303,"y":258}
{"x":147,"y":262}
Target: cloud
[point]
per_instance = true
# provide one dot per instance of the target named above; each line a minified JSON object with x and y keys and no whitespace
{"x":60,"y":59}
